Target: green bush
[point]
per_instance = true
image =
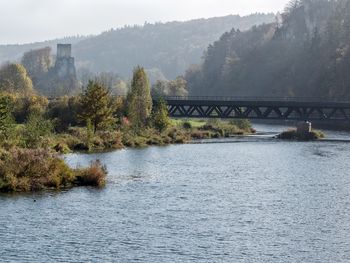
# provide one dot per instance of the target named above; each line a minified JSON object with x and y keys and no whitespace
{"x":36,"y":129}
{"x":187,"y":125}
{"x":63,"y":111}
{"x":160,"y":116}
{"x":242,"y":124}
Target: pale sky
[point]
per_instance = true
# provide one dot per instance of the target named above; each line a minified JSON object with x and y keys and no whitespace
{"x":23,"y":21}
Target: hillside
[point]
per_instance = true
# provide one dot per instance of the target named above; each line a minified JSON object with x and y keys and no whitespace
{"x":307,"y":53}
{"x":163,"y":48}
{"x":15,"y":52}
{"x":170,"y":47}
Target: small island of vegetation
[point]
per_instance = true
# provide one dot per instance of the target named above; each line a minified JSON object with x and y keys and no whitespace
{"x":293,"y":134}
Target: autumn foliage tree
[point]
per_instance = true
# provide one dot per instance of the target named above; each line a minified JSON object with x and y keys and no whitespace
{"x":139,"y":99}
{"x":14,"y":79}
{"x":37,"y":62}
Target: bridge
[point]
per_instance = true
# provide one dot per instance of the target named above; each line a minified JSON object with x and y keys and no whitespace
{"x":296,"y":109}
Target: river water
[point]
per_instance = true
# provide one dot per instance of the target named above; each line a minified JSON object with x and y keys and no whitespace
{"x":251,"y":200}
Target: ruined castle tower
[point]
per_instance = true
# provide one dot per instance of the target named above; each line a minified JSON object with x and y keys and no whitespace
{"x":64,"y":66}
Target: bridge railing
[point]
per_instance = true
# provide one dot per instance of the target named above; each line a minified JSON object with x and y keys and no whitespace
{"x":242,"y":98}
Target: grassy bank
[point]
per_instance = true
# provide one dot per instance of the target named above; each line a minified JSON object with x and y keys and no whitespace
{"x":24,"y":169}
{"x":179,"y":131}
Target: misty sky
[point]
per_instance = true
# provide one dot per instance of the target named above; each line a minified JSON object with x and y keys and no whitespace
{"x":35,"y":20}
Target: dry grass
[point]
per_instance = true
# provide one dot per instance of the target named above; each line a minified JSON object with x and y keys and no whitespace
{"x":24,"y":170}
{"x":95,"y":175}
{"x":292,"y":134}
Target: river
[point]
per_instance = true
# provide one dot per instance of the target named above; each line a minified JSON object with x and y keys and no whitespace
{"x":249,"y":200}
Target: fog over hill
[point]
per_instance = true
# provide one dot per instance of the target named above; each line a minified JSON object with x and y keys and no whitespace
{"x":16,"y":51}
{"x":164,"y":48}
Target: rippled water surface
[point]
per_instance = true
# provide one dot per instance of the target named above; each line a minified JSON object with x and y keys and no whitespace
{"x":251,"y":201}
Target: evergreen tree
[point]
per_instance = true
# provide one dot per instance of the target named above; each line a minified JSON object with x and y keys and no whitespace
{"x":36,"y":128}
{"x":160,"y":116}
{"x":139,"y":99}
{"x":96,"y":106}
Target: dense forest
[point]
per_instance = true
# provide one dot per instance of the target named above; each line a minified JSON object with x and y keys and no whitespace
{"x":166,"y":50}
{"x":306,"y":52}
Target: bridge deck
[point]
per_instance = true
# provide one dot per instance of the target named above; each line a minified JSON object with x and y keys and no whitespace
{"x":258,"y":108}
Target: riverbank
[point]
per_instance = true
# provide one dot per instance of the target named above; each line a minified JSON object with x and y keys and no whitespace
{"x":28,"y":170}
{"x":179,"y":131}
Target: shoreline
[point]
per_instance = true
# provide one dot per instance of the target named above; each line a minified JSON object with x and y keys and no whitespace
{"x":223,"y":140}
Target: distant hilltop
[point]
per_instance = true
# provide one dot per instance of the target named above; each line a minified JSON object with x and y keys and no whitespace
{"x":166,"y":49}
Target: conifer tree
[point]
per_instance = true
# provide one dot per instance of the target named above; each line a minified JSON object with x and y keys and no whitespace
{"x":96,"y":106}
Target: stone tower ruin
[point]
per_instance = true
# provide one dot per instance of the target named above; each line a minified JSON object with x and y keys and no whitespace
{"x":64,"y":66}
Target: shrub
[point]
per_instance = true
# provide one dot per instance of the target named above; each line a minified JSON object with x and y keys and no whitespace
{"x":242,"y":124}
{"x":64,"y":111}
{"x":29,"y":169}
{"x":24,"y":106}
{"x":214,"y":122}
{"x":199,"y":135}
{"x":65,"y":142}
{"x":36,"y":128}
{"x":95,"y":175}
{"x":160,"y":116}
{"x":110,"y":139}
{"x":187,"y":125}
{"x":292,"y":134}
{"x":62,"y":147}
{"x":23,"y":170}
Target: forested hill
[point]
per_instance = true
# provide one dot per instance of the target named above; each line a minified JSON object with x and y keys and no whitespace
{"x":306,"y":53}
{"x":170,"y":47}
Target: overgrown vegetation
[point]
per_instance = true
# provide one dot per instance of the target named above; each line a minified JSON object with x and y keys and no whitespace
{"x":293,"y":134}
{"x":34,"y":129}
{"x":23,"y":170}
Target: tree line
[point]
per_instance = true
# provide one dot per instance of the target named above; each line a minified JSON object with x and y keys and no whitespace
{"x":305,"y":53}
{"x":95,"y":108}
